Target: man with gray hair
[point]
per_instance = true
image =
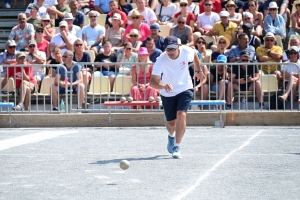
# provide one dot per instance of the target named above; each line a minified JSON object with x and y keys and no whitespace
{"x":78,"y":16}
{"x":8,"y":56}
{"x":22,"y":33}
{"x":73,"y":29}
{"x":183,"y":31}
{"x":64,"y":81}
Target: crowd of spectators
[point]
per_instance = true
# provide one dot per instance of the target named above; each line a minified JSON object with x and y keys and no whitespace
{"x":56,"y":32}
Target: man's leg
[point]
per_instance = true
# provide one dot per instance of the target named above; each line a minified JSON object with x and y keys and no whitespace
{"x":54,"y":93}
{"x":180,"y":125}
{"x":80,"y":90}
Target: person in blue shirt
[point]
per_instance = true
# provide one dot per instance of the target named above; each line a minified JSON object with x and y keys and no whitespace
{"x":153,"y":51}
{"x":102,"y":6}
{"x":234,"y":53}
{"x":159,"y":40}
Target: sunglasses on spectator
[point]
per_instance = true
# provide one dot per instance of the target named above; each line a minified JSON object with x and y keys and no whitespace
{"x":230,"y":6}
{"x":170,"y":49}
{"x":269,"y":40}
{"x":247,"y":18}
{"x":201,"y":42}
{"x":272,"y":9}
{"x":183,"y":5}
{"x":133,"y":35}
{"x":12,"y":47}
{"x":222,"y":42}
{"x":46,"y":20}
{"x":77,"y":45}
{"x":66,"y":56}
{"x":251,"y":5}
{"x":293,"y":52}
{"x":207,"y":4}
{"x":128,"y":49}
{"x":93,"y":16}
{"x":298,"y":5}
{"x":135,"y":17}
{"x":31,"y":46}
{"x":181,"y":22}
{"x":245,"y":60}
{"x":40,"y":31}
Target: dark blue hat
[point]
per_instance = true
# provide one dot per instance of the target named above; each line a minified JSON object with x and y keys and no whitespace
{"x":155,"y":26}
{"x":171,"y":42}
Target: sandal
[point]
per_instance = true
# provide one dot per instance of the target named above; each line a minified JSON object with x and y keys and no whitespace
{"x":18,"y":107}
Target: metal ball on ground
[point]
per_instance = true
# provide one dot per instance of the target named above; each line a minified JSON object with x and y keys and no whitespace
{"x":151,"y":99}
{"x":129,"y":99}
{"x":122,"y":99}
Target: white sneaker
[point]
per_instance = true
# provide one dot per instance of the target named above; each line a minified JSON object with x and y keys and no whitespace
{"x":7,"y":5}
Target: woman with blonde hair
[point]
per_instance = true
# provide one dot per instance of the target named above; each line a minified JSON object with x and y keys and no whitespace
{"x":222,"y":45}
{"x":141,"y":73}
{"x":115,"y":33}
{"x":233,"y":16}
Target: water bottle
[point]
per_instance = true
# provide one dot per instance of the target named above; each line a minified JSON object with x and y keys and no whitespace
{"x":62,"y":105}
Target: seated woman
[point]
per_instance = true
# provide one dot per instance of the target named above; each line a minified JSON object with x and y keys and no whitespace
{"x":201,"y":47}
{"x":222,"y":45}
{"x":48,"y":30}
{"x":233,"y":16}
{"x":295,"y":17}
{"x":51,"y":71}
{"x":190,"y":18}
{"x":134,"y":37}
{"x":258,"y":17}
{"x":42,"y":44}
{"x":81,"y":56}
{"x":127,"y":56}
{"x":165,"y":12}
{"x":115,"y":33}
{"x":274,"y":22}
{"x":141,"y":90}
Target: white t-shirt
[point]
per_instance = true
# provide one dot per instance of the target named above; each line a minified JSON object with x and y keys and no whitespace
{"x":92,"y":34}
{"x":48,"y":3}
{"x":175,"y":72}
{"x":290,"y":68}
{"x":37,"y":70}
{"x":76,"y":31}
{"x":170,"y":10}
{"x":40,"y":13}
{"x":208,"y":21}
{"x":57,"y":40}
{"x":148,"y":14}
{"x":191,"y":9}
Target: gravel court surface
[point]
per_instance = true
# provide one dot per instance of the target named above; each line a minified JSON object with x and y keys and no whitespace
{"x":83,"y":163}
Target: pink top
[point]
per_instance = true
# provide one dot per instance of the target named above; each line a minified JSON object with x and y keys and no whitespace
{"x":42,"y":46}
{"x":295,"y":14}
{"x":144,"y":31}
{"x":141,"y":76}
{"x":50,"y":30}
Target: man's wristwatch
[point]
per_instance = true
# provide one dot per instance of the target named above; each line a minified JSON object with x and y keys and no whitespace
{"x":199,"y":72}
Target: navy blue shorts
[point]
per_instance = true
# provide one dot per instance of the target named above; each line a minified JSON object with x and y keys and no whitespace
{"x":63,"y":90}
{"x":180,"y":102}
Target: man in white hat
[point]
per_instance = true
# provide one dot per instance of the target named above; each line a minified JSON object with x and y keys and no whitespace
{"x":9,"y":56}
{"x":78,"y":16}
{"x":41,"y":10}
{"x":63,"y":40}
{"x":149,"y":15}
{"x":73,"y":29}
{"x":225,"y":28}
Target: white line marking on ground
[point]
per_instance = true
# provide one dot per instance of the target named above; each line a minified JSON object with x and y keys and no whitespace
{"x":32,"y":138}
{"x":214,"y":168}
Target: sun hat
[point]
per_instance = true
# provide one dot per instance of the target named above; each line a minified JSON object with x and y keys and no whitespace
{"x":155,"y":26}
{"x":143,"y":51}
{"x":171,"y":42}
{"x":116,"y":16}
{"x":20,"y":54}
{"x":223,"y":38}
{"x":135,"y":13}
{"x":134,"y":32}
{"x":32,"y":42}
{"x":245,"y":53}
{"x":296,"y":3}
{"x":269,"y":34}
{"x":295,"y":48}
{"x":63,"y":23}
{"x":183,"y":1}
{"x":221,"y":59}
{"x":45,"y":17}
{"x":35,"y":6}
{"x":273,"y":5}
{"x":230,"y":3}
{"x":10,"y":43}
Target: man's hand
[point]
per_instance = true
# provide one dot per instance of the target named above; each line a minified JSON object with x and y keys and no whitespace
{"x":199,"y":76}
{"x":64,"y":34}
{"x":168,"y":87}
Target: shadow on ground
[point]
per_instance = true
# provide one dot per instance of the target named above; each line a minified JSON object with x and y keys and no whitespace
{"x":158,"y":157}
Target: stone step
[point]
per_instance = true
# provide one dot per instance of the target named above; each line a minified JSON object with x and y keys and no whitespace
{"x":2,"y":47}
{"x":9,"y":13}
{"x":8,"y":24}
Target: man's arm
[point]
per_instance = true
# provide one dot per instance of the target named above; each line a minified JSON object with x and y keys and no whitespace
{"x":190,"y":37}
{"x":155,"y":82}
{"x":282,"y":8}
{"x":100,"y":38}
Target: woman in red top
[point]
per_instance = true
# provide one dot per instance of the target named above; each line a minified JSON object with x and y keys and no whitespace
{"x":42,"y":44}
{"x":190,"y":18}
{"x":141,"y":90}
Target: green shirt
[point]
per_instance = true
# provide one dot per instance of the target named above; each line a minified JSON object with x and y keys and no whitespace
{"x":64,"y":9}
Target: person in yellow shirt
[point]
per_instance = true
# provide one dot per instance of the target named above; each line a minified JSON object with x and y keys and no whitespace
{"x":270,"y":53}
{"x":225,"y":28}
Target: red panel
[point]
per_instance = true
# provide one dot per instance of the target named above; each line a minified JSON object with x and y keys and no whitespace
{"x":133,"y":103}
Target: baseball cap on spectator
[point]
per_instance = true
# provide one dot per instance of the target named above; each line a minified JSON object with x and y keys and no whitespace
{"x":134,"y":32}
{"x":135,"y":13}
{"x":68,"y":16}
{"x":155,"y":26}
{"x":171,"y":42}
{"x":63,"y":23}
{"x":273,"y":5}
{"x":143,"y":51}
{"x":224,"y":13}
{"x":295,"y":48}
{"x":221,"y":59}
{"x":245,"y":53}
{"x":269,"y":35}
{"x":45,"y":17}
{"x":11,"y":43}
{"x":116,"y":16}
{"x":32,"y":42}
{"x":20,"y":54}
{"x":34,"y":6}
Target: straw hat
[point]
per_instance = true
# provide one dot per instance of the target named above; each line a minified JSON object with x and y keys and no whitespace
{"x":223,"y":38}
{"x":296,"y":3}
{"x":134,"y":32}
{"x":230,"y":3}
{"x":135,"y":13}
{"x":46,"y":17}
{"x":116,"y":16}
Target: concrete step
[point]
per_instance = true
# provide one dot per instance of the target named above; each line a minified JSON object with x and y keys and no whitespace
{"x":8,"y":23}
{"x":9,"y":13}
{"x":2,"y":46}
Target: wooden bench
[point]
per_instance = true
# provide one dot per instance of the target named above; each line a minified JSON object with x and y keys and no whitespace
{"x":110,"y":104}
{"x":8,"y":105}
{"x":219,"y":123}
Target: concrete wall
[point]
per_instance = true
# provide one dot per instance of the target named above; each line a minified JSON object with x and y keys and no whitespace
{"x":150,"y":119}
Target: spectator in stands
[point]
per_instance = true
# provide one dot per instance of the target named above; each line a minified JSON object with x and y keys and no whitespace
{"x":73,"y":29}
{"x":63,"y":82}
{"x":225,"y":28}
{"x":24,"y":80}
{"x":153,"y":52}
{"x":257,"y":15}
{"x":57,"y":60}
{"x":270,"y":53}
{"x":238,"y":8}
{"x":152,"y":4}
{"x":33,"y":17}
{"x":249,"y":29}
{"x":141,"y":90}
{"x":290,"y":74}
{"x":47,"y":3}
{"x":295,"y":17}
{"x":248,"y":21}
{"x":201,"y":47}
{"x":219,"y":78}
{"x":165,"y":12}
{"x":78,"y":16}
{"x":216,"y":6}
{"x":279,"y":4}
{"x":107,"y":57}
{"x":8,"y":56}
{"x":42,"y":44}
{"x":207,"y":19}
{"x":134,"y":36}
{"x":293,"y":42}
{"x":193,"y":8}
{"x":235,"y":17}
{"x":114,"y":8}
{"x":234,"y":53}
{"x":245,"y":78}
{"x":38,"y":6}
{"x":86,"y":6}
{"x":149,"y":16}
{"x":143,"y":28}
{"x":125,"y":7}
{"x":22,"y":33}
{"x":183,"y":32}
{"x":159,"y":40}
{"x":128,"y":56}
{"x":102,"y":6}
{"x":201,"y":86}
{"x":81,"y":56}
{"x":274,"y":22}
{"x":222,"y":45}
{"x":93,"y":34}
{"x":190,"y":18}
{"x":35,"y":56}
{"x":58,"y":11}
{"x":63,"y":40}
{"x":48,"y":30}
{"x":115,"y":34}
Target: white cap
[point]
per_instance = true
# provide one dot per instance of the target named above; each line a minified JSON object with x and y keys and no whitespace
{"x":224,"y":13}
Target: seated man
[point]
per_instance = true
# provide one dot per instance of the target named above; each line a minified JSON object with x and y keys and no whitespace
{"x":183,"y":32}
{"x":78,"y":17}
{"x":23,"y":77}
{"x":73,"y":29}
{"x":234,"y":53}
{"x":159,"y":40}
{"x":9,"y":56}
{"x":245,"y":78}
{"x":293,"y":42}
{"x":62,"y":82}
{"x":58,"y":11}
{"x":206,"y":20}
{"x":34,"y":19}
{"x":154,"y":53}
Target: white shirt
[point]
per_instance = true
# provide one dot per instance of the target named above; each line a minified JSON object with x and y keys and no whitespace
{"x":208,"y":21}
{"x":76,"y":31}
{"x":175,"y":72}
{"x":40,"y":13}
{"x":57,"y":40}
{"x":148,"y":14}
{"x":170,"y":10}
{"x":191,"y":9}
{"x":48,"y":3}
{"x":30,"y":58}
{"x":290,"y":68}
{"x":92,"y":34}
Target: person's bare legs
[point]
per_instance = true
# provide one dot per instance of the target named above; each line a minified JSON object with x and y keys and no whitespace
{"x":54,"y":93}
{"x":111,"y":81}
{"x":171,"y":126}
{"x":180,"y":125}
{"x":229,"y":94}
{"x":86,"y":75}
{"x":221,"y":86}
{"x":81,"y":93}
{"x":258,"y":91}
